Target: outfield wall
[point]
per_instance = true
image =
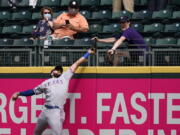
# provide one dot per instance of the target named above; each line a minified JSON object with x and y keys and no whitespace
{"x":102,"y":101}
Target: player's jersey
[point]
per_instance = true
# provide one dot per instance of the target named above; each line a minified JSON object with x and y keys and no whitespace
{"x":55,"y":89}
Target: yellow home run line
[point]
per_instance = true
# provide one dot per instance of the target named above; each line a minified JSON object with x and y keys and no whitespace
{"x":140,"y":69}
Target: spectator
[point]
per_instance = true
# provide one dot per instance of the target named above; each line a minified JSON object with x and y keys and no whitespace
{"x":33,"y":3}
{"x":128,"y":5}
{"x":156,"y":5}
{"x":130,"y":35}
{"x":69,"y":24}
{"x":43,"y":28}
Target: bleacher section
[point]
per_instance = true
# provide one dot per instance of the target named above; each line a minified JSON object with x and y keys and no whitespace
{"x":160,"y":29}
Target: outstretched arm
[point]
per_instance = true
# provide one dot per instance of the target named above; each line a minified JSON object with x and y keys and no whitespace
{"x":23,"y":93}
{"x":117,"y":44}
{"x":105,"y":40}
{"x":81,"y":60}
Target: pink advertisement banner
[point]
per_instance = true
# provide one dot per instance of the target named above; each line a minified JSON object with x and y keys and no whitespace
{"x":98,"y":107}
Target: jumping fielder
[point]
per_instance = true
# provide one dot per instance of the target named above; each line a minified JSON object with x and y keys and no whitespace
{"x":55,"y":89}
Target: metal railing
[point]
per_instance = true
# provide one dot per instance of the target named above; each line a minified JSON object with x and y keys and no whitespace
{"x":38,"y":56}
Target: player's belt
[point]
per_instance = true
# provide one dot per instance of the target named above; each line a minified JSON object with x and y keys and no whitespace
{"x":51,"y":107}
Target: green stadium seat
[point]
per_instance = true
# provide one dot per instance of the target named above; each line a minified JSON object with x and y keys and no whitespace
{"x":22,"y":42}
{"x":11,"y":29}
{"x":176,"y":15}
{"x":95,"y":28}
{"x":155,"y":27}
{"x":175,"y":27}
{"x":90,"y":2}
{"x":137,"y":2}
{"x":66,"y":2}
{"x":22,"y":15}
{"x":163,"y":14}
{"x":144,"y":2}
{"x":117,"y":15}
{"x":141,"y":2}
{"x":86,"y":14}
{"x":4,"y":3}
{"x":5,"y":15}
{"x":175,"y":2}
{"x":111,"y":28}
{"x":149,"y":40}
{"x":102,"y":14}
{"x":63,"y":42}
{"x":27,"y":29}
{"x":178,"y":42}
{"x":36,"y":16}
{"x":56,"y":14}
{"x":104,"y":45}
{"x":1,"y":28}
{"x":137,"y":26}
{"x":23,"y":3}
{"x":83,"y":42}
{"x":166,"y":41}
{"x":50,"y":3}
{"x":144,"y":14}
{"x":6,"y":41}
{"x":106,"y":3}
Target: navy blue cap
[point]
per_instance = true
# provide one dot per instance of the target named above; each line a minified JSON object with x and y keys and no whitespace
{"x":73,"y":4}
{"x":124,"y":19}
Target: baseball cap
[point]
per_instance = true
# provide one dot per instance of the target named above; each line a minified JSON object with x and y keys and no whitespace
{"x":124,"y":19}
{"x":73,"y":4}
{"x":58,"y":68}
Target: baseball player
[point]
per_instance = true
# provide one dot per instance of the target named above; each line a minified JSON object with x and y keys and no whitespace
{"x":55,"y":89}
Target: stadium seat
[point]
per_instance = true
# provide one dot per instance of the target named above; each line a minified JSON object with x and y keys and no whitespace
{"x":8,"y":29}
{"x":176,"y":15}
{"x":83,"y":42}
{"x":1,"y":28}
{"x":163,"y":14}
{"x":86,"y":14}
{"x":175,"y":27}
{"x":106,"y":3}
{"x":95,"y":28}
{"x":6,"y":41}
{"x":23,"y":3}
{"x":4,"y":3}
{"x":137,"y":26}
{"x":117,"y":15}
{"x":178,"y":42}
{"x":175,"y":2}
{"x":140,"y":2}
{"x":155,"y":27}
{"x":102,"y":14}
{"x":144,"y":2}
{"x":66,"y":2}
{"x":104,"y":45}
{"x":166,"y":41}
{"x":36,"y":16}
{"x":149,"y":40}
{"x":50,"y":3}
{"x":56,"y":14}
{"x":63,"y":42}
{"x":144,"y":14}
{"x":22,"y":42}
{"x":5,"y":15}
{"x":27,"y":29}
{"x":21,"y":15}
{"x":111,"y":28}
{"x":90,"y":2}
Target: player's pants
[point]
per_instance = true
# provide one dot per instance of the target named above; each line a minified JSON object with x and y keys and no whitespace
{"x":50,"y":117}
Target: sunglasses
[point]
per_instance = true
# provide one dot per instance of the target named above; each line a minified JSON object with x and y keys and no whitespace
{"x":47,"y":12}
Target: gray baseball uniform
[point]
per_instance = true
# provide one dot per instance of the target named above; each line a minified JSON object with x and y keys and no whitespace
{"x":55,"y":90}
